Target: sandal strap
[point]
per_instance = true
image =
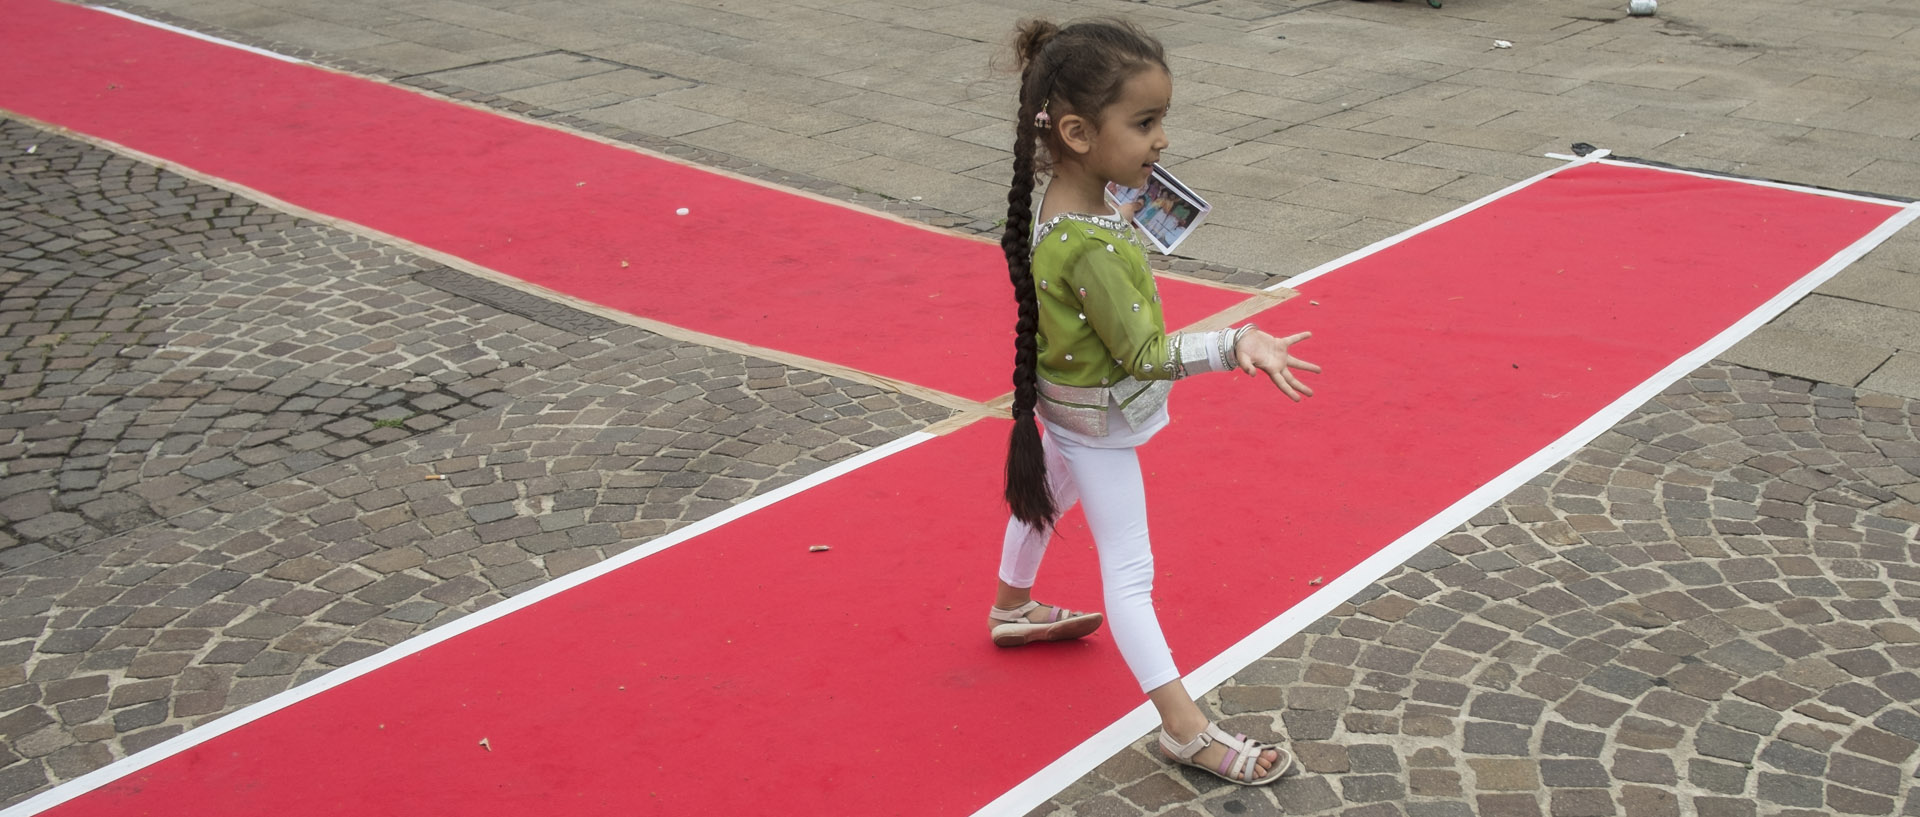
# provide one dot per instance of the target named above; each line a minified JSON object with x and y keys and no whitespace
{"x":1241,"y":761}
{"x":1247,"y":768}
{"x":1019,"y":614}
{"x":1227,"y":762}
{"x":1185,"y":751}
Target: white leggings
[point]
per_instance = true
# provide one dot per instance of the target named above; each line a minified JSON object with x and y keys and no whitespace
{"x":1107,"y":483}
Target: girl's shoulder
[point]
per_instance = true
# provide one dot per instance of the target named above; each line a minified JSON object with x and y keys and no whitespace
{"x":1063,"y":239}
{"x":1064,"y":226}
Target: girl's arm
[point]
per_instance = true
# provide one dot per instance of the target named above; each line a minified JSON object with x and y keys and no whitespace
{"x":1122,"y":318}
{"x":1259,"y":351}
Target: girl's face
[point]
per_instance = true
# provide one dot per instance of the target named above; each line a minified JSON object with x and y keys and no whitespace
{"x":1131,"y":135}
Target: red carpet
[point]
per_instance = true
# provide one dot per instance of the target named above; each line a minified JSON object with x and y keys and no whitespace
{"x":737,"y":670}
{"x":751,"y":263}
{"x":738,"y":673}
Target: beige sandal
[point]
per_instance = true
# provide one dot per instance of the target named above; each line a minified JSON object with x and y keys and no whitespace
{"x":1062,"y":625}
{"x":1241,"y":762}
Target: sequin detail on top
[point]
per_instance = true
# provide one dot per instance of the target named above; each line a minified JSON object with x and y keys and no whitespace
{"x":1111,"y":225}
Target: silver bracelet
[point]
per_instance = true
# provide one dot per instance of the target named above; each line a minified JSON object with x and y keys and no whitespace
{"x":1198,"y":352}
{"x":1232,"y":352}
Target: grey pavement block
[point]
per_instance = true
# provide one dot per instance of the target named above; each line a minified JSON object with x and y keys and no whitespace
{"x":1500,"y":78}
{"x":238,"y":16}
{"x":558,"y":35}
{"x":760,"y":109}
{"x":1458,"y":107}
{"x":907,"y":113}
{"x":771,"y":147}
{"x":1362,"y":233}
{"x":937,"y":90}
{"x":1891,"y":176}
{"x":412,"y":58}
{"x":1431,"y":133}
{"x":322,"y":35}
{"x":709,"y":69}
{"x":1360,"y":201}
{"x":1276,"y":218}
{"x":780,"y":56}
{"x":1854,"y":320}
{"x":1251,"y":182}
{"x":1476,"y":160}
{"x":1899,"y":375}
{"x":1789,"y":350}
{"x":491,"y":78}
{"x":1562,"y":130}
{"x":1245,"y":153}
{"x":1394,"y":175}
{"x":1471,"y":187}
{"x":356,"y":13}
{"x":998,"y":136}
{"x":1335,"y":140}
{"x":633,"y":83}
{"x":1183,"y":143}
{"x":460,"y":39}
{"x":906,"y":180}
{"x":573,"y":96}
{"x":1280,"y":111}
{"x":656,"y":118}
{"x":1257,"y":251}
{"x":562,"y":66}
{"x":1868,"y":283}
{"x":937,"y":152}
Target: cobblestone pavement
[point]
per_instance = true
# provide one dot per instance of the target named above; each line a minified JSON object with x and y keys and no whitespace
{"x":217,"y":421}
{"x":219,"y":427}
{"x":1708,"y":611}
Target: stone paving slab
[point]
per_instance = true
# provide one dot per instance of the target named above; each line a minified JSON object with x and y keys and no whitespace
{"x":1707,"y":611}
{"x":1407,"y":111}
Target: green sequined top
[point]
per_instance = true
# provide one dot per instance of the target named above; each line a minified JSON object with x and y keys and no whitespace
{"x":1102,"y":337}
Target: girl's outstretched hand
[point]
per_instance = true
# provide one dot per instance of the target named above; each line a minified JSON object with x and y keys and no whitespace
{"x":1258,"y":350}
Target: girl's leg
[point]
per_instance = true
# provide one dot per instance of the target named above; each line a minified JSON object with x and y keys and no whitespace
{"x":1023,"y":547}
{"x":1113,"y":495}
{"x":1114,"y":499}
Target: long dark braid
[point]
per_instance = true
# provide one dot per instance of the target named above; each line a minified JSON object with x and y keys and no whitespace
{"x":1080,"y":68}
{"x":1026,"y":489}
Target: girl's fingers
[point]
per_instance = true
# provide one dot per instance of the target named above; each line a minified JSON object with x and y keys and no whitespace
{"x":1303,"y":365}
{"x":1281,"y":381}
{"x":1296,"y":338}
{"x":1287,"y":383}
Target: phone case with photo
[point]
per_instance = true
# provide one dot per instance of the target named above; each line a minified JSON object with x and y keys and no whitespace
{"x":1172,"y":213}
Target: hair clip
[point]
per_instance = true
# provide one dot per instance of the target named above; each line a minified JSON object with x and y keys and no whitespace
{"x":1041,"y":120}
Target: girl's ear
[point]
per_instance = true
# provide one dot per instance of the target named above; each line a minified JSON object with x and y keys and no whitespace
{"x":1076,"y":133}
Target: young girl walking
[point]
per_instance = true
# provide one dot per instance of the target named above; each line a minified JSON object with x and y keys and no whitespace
{"x":1094,"y":363}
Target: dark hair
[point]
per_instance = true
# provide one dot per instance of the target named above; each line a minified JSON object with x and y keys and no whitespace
{"x":1078,"y":69}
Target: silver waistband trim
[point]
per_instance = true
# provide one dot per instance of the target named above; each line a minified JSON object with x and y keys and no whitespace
{"x":1084,"y":408}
